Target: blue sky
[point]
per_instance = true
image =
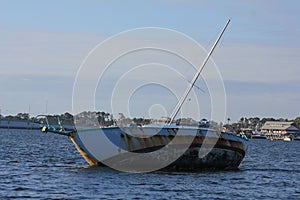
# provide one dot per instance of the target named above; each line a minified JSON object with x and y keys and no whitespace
{"x":43,"y":44}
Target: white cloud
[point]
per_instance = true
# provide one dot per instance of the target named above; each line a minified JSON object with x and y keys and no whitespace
{"x":43,"y":52}
{"x":60,"y":54}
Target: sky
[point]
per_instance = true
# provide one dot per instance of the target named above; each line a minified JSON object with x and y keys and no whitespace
{"x":44,"y":43}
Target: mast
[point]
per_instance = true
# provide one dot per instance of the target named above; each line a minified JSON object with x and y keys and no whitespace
{"x":180,"y":103}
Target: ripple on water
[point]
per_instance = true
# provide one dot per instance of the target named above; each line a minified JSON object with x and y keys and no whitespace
{"x":35,"y":165}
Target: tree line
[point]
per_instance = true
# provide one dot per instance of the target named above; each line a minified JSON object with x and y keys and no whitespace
{"x":256,"y":123}
{"x":107,"y":119}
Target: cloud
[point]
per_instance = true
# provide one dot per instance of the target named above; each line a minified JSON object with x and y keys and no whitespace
{"x":44,"y":52}
{"x":259,"y":54}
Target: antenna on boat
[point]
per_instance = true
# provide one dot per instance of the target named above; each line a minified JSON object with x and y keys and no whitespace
{"x":180,"y":103}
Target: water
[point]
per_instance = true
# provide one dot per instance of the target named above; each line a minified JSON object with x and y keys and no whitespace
{"x":38,"y":165}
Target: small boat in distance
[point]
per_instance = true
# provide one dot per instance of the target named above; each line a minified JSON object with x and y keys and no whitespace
{"x":146,"y":148}
{"x":259,"y":136}
{"x":287,"y":139}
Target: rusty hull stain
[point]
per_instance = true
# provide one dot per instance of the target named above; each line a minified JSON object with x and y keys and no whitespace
{"x":88,"y":159}
{"x":135,"y":144}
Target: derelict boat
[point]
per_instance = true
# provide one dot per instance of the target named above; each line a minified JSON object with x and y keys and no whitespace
{"x":153,"y":147}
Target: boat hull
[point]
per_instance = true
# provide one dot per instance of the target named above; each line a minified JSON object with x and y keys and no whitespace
{"x":169,"y":148}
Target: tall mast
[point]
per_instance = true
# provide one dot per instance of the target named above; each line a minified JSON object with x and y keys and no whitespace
{"x":180,"y":103}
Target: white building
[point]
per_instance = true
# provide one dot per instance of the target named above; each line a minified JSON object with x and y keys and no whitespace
{"x":280,"y":128}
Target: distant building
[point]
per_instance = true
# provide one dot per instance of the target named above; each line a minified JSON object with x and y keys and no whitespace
{"x":280,"y":128}
{"x":164,"y":119}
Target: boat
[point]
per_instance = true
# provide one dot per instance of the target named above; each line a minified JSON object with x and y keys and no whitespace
{"x":287,"y":139}
{"x":146,"y":148}
{"x":259,"y":136}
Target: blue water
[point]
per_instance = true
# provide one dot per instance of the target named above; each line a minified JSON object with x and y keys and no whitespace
{"x":47,"y":166}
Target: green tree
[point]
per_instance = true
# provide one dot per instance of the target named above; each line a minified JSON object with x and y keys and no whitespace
{"x":297,"y":121}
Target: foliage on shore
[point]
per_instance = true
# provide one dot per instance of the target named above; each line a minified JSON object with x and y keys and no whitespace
{"x":107,"y":119}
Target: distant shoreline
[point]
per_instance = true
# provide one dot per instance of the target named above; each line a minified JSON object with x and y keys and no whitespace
{"x":18,"y":124}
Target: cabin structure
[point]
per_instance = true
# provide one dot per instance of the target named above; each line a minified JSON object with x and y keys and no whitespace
{"x":279,"y":128}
